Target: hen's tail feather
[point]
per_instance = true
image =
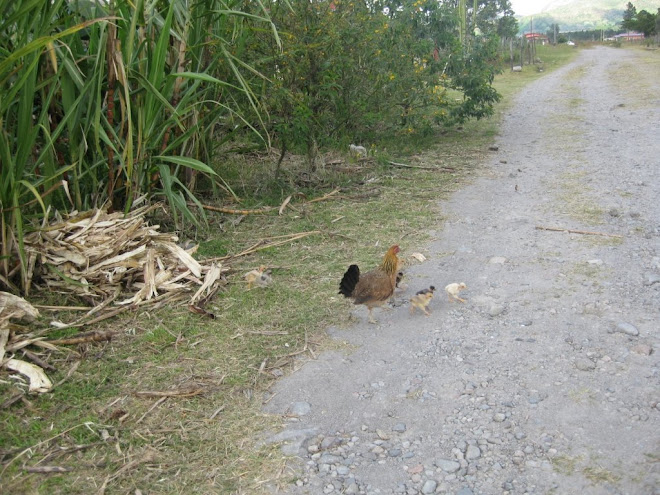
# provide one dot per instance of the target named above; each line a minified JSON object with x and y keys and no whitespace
{"x":349,"y":281}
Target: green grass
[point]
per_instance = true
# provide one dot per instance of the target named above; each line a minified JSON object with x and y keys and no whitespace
{"x":552,"y":57}
{"x":565,"y":464}
{"x":208,"y":442}
{"x":599,"y":475}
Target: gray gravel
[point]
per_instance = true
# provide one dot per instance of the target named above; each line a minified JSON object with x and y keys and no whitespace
{"x":547,"y":379}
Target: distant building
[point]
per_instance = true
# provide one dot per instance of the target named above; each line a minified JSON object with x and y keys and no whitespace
{"x":537,"y":37}
{"x":629,"y":36}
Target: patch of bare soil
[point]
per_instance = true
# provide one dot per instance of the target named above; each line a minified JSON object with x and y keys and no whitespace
{"x":547,"y":379}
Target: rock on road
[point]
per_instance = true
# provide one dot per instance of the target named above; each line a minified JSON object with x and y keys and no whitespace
{"x":547,"y":379}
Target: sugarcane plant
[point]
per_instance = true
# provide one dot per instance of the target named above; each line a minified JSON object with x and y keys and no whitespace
{"x":105,"y":103}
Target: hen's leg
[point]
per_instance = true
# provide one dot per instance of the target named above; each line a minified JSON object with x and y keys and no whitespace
{"x":371,"y":316}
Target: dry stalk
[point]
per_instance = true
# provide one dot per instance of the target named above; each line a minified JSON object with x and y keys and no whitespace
{"x":419,"y":167}
{"x":47,"y":469}
{"x":85,"y":337}
{"x":583,"y":232}
{"x":232,"y":211}
{"x":170,"y":393}
{"x":267,"y":243}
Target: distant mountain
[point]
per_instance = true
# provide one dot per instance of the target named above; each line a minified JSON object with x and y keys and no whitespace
{"x":582,"y":15}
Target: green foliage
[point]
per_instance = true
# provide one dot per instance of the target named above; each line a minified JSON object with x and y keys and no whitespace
{"x":629,"y":17}
{"x":642,"y":21}
{"x":496,"y":17}
{"x":354,"y":71}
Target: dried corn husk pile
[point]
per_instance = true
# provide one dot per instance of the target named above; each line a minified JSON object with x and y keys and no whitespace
{"x":102,"y":256}
{"x":107,"y":259}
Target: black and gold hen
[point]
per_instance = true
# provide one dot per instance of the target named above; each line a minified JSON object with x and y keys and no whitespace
{"x":374,"y":287}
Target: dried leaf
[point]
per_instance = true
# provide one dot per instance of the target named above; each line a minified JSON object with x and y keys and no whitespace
{"x":4,"y":336}
{"x":184,"y":257}
{"x":419,"y":257}
{"x":211,"y":277}
{"x":283,"y":207}
{"x":39,"y":382}
{"x":12,"y":306}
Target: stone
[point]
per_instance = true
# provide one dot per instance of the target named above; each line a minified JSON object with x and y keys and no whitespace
{"x":343,"y":470}
{"x":416,"y":469}
{"x":382,"y":434}
{"x":429,"y":486}
{"x":473,"y":452}
{"x":651,"y":278}
{"x":626,"y":328}
{"x":300,"y":408}
{"x":643,"y":349}
{"x":499,"y":417}
{"x":447,"y":465}
{"x":399,"y":427}
{"x":352,"y":489}
{"x":328,"y":442}
{"x":496,"y":310}
{"x":585,"y":364}
{"x":293,"y":440}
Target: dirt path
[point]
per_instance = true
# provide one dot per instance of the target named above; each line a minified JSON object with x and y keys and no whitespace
{"x":547,"y":379}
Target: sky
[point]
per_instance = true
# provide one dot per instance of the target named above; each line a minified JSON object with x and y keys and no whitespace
{"x":526,"y":7}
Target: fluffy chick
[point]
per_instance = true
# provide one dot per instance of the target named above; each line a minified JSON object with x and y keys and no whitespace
{"x":421,"y":300}
{"x":453,"y":290}
{"x":259,"y":277}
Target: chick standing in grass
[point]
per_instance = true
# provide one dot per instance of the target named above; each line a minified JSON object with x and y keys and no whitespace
{"x":259,"y":277}
{"x":453,"y":290}
{"x":421,"y":300}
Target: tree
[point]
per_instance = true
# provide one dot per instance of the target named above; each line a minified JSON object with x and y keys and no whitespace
{"x":362,"y":70}
{"x":646,"y":23}
{"x":629,"y":16}
{"x":552,"y":33}
{"x":642,"y":21}
{"x":496,"y":17}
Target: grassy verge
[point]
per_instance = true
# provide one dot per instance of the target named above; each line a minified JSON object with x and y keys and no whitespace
{"x":108,"y":427}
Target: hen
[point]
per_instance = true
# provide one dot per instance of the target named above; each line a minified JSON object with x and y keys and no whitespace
{"x":374,"y":287}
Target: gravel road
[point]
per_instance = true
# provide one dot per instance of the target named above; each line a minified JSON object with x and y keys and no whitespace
{"x":547,"y":379}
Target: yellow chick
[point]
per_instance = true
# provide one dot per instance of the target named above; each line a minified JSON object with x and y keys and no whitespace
{"x":259,"y":277}
{"x":453,"y":290}
{"x":421,"y":300}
